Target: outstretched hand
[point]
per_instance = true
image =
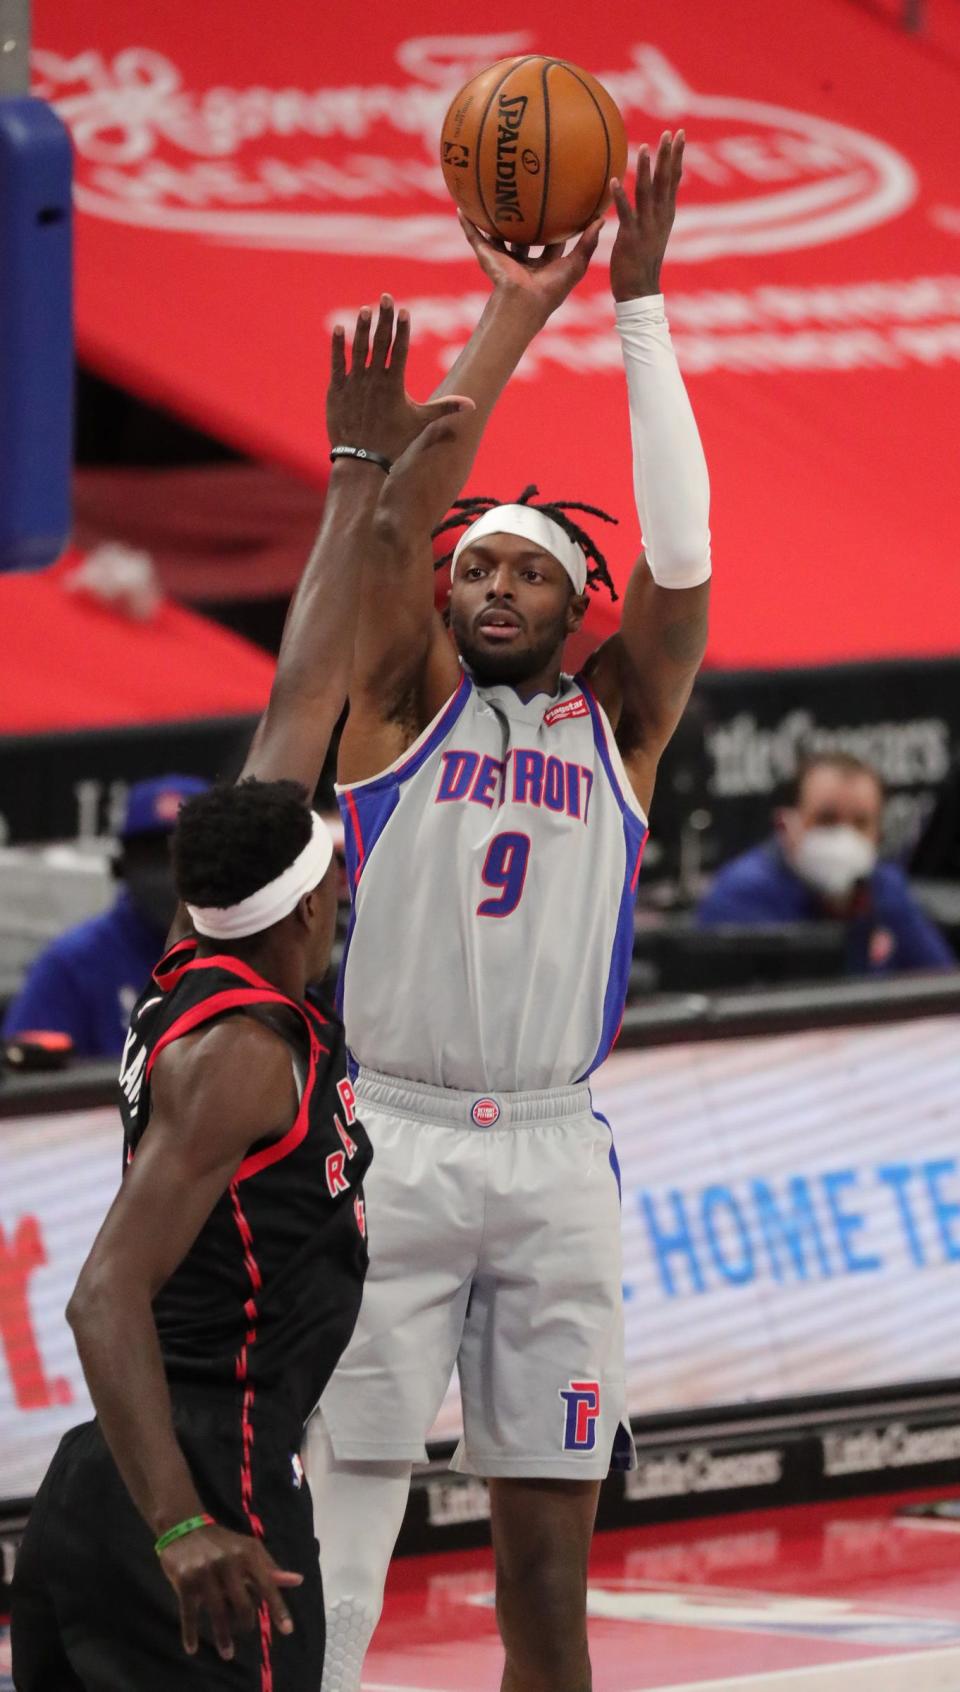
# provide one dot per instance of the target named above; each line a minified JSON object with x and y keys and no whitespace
{"x":546,"y":280}
{"x":645,"y":226}
{"x":368,"y":405}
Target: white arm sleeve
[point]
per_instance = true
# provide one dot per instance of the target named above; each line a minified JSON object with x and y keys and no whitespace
{"x":669,"y":469}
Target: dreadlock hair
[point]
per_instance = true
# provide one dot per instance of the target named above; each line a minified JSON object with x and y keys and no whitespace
{"x":232,"y":840}
{"x":466,"y":511}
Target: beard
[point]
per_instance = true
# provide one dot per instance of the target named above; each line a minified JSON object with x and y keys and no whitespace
{"x":490,"y":667}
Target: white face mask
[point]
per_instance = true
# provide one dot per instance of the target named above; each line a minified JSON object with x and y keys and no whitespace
{"x":834,"y":859}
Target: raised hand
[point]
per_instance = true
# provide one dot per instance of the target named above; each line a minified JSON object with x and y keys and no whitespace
{"x":368,"y":405}
{"x":645,"y":226}
{"x":225,"y":1577}
{"x":545,"y":281}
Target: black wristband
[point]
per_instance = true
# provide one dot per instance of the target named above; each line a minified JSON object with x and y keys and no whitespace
{"x":376,"y":458}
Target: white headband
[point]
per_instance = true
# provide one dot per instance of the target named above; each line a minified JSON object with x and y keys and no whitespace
{"x":532,"y":525}
{"x":269,"y":904}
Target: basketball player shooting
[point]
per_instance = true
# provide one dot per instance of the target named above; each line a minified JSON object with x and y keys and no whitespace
{"x":496,"y":812}
{"x":171,"y":1544}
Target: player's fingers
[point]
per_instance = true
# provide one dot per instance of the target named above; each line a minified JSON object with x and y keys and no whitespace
{"x":188,"y":1621}
{"x":383,"y":334}
{"x":587,"y":244}
{"x":451,"y":405}
{"x":621,"y":200}
{"x":477,"y":240}
{"x":482,"y":244}
{"x":215,"y":1604}
{"x":679,"y":142}
{"x":642,"y":191}
{"x":239,"y":1600}
{"x":662,"y":167}
{"x":361,"y":341}
{"x":520,"y":252}
{"x":551,"y":252}
{"x":401,"y":345}
{"x":338,"y":357}
{"x":268,"y":1581}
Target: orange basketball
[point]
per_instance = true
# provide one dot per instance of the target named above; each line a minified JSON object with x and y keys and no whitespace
{"x":528,"y":148}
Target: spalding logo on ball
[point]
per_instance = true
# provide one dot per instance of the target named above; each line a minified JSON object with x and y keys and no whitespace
{"x":528,"y":148}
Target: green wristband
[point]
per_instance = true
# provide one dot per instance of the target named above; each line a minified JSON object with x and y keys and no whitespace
{"x":182,"y":1528}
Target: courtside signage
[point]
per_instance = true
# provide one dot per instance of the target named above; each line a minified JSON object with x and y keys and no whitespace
{"x":792,"y":1228}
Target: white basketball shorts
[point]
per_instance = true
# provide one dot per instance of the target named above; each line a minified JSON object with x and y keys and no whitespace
{"x":494,"y":1231}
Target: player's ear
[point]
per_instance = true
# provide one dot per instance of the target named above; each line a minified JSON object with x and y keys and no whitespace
{"x":576,"y":611}
{"x":305,"y":910}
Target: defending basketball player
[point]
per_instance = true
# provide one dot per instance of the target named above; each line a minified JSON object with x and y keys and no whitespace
{"x":496,"y":814}
{"x":227,"y":1276}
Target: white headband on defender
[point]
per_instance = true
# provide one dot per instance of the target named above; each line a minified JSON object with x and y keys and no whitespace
{"x":532,"y":525}
{"x":269,"y":904}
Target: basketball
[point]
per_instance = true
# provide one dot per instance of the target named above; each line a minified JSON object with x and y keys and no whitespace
{"x":528,"y":148}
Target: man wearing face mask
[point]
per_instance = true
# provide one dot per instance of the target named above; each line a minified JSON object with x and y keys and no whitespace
{"x":821,"y":864}
{"x":86,"y":983}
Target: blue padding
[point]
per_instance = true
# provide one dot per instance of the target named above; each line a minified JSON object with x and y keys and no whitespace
{"x":36,"y":334}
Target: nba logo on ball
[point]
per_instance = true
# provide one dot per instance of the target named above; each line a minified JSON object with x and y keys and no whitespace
{"x":485,"y":1113}
{"x":581,"y":1401}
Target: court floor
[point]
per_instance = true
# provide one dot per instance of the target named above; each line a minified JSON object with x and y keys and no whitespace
{"x":834,"y":1598}
{"x":846,"y":1597}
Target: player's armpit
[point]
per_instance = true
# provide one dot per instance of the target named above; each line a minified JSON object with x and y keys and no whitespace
{"x":388,"y":712}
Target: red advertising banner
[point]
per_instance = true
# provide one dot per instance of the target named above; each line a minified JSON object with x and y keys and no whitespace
{"x":81,"y":660}
{"x":244,"y":180}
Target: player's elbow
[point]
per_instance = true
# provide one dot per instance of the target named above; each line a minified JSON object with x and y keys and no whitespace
{"x":81,"y":1307}
{"x":685,"y":562}
{"x":96,"y":1288}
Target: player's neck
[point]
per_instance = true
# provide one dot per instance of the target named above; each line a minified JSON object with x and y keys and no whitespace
{"x":546,"y":680}
{"x":271,"y":957}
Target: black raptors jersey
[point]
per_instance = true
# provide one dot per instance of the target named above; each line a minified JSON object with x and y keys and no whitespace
{"x":267,"y":1296}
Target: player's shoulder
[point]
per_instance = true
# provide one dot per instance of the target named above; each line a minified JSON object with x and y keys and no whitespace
{"x":235,"y":1061}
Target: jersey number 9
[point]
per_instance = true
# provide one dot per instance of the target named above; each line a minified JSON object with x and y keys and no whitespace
{"x":505,"y":867}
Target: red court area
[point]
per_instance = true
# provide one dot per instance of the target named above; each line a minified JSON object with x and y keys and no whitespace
{"x":843,"y":1597}
{"x":829,"y":1597}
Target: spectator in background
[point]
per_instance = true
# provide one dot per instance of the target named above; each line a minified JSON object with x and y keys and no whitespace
{"x":822,"y":864}
{"x":86,"y":983}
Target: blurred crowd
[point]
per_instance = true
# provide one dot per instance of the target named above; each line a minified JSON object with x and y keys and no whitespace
{"x":815,"y":899}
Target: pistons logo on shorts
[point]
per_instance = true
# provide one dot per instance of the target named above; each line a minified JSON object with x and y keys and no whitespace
{"x":581,"y":1408}
{"x":485,"y":1113}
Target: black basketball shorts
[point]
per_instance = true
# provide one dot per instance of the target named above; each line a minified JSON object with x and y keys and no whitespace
{"x":92,"y":1610}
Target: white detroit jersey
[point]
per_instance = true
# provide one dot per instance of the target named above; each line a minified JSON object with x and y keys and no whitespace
{"x":493,"y":872}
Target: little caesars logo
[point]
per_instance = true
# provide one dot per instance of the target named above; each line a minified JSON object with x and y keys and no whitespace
{"x":679,"y":1474}
{"x":863,"y":1451}
{"x":350,"y":168}
{"x":509,"y":118}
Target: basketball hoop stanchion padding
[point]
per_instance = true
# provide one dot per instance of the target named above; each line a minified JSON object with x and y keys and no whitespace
{"x":36,"y":333}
